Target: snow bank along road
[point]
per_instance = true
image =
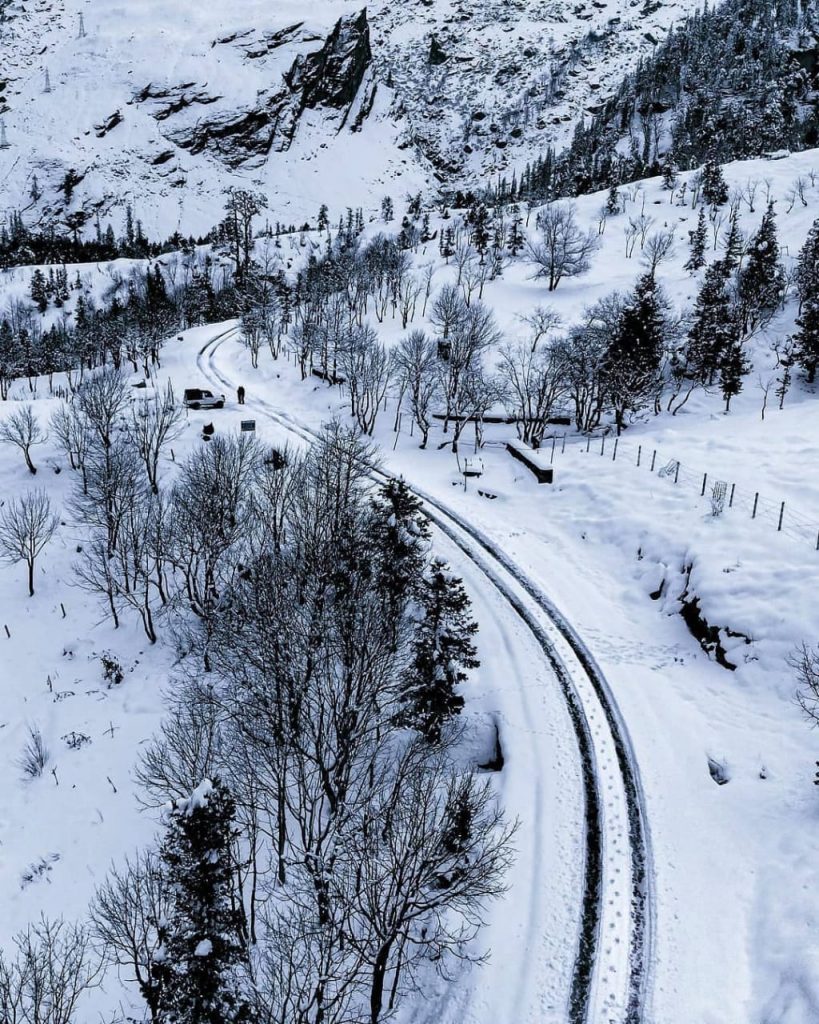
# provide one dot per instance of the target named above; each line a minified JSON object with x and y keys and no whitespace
{"x":611,"y":978}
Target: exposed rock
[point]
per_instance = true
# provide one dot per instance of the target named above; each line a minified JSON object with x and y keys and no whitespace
{"x":328,"y":78}
{"x":710,"y":637}
{"x":437,"y":54}
{"x":719,"y":771}
{"x":108,"y":124}
{"x":332,"y":76}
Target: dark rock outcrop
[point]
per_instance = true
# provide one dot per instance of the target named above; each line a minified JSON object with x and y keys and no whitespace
{"x":329,"y":78}
{"x":708,"y":636}
{"x":108,"y":124}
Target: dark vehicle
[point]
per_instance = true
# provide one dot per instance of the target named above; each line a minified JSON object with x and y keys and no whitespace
{"x":200,"y":398}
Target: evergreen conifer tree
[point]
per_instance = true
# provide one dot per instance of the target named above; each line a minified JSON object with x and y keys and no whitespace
{"x":807,"y":267}
{"x":201,"y":960}
{"x":699,"y":237}
{"x":807,"y":336}
{"x":613,"y":205}
{"x":443,"y":650}
{"x":669,"y":173}
{"x":478,"y":219}
{"x":715,"y":324}
{"x":39,"y":290}
{"x":733,"y":242}
{"x":400,"y":534}
{"x":714,"y":189}
{"x":733,"y":366}
{"x":762,"y":280}
{"x":514,"y":242}
{"x":633,"y":358}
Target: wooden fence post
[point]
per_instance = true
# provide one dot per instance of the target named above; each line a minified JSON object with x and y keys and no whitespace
{"x":756,"y":502}
{"x":781,"y":514}
{"x":704,"y":480}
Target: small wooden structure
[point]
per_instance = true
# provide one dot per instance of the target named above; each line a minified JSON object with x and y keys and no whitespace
{"x":521,"y":452}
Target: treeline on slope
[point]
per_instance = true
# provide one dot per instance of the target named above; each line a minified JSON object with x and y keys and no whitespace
{"x":75,"y":240}
{"x":323,"y":848}
{"x":140,"y":313}
{"x":23,"y":245}
{"x":628,"y":354}
{"x":732,"y":81}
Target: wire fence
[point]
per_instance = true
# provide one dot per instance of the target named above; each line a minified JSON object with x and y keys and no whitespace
{"x":723,"y":496}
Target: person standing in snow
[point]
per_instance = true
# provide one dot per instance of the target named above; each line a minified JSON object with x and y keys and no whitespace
{"x":240,"y":393}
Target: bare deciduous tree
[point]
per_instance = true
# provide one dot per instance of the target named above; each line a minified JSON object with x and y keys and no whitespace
{"x":23,"y":429}
{"x":365,"y":366}
{"x":102,"y":399}
{"x":461,"y":358}
{"x":415,"y":360}
{"x":561,"y":249}
{"x":658,"y":249}
{"x":27,"y":524}
{"x":53,"y":967}
{"x":127,"y":915}
{"x":154,"y":424}
{"x":533,"y":379}
{"x":805,"y":660}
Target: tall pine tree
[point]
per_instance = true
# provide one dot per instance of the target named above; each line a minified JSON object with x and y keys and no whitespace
{"x":634,"y":356}
{"x":698,"y":239}
{"x":201,"y":963}
{"x":443,"y":651}
{"x":714,"y":189}
{"x":762,"y":280}
{"x":399,"y":536}
{"x":807,"y":282}
{"x":715,"y":324}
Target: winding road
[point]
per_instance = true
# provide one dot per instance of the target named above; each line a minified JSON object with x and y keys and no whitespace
{"x":612,"y":963}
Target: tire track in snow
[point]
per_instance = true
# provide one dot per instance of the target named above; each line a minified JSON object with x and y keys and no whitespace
{"x":610,"y":905}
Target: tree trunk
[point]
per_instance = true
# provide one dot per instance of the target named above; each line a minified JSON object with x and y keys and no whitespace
{"x":377,"y":987}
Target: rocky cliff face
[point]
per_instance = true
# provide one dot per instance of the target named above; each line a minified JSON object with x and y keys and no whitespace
{"x":332,"y":76}
{"x":328,"y":78}
{"x":172,"y":102}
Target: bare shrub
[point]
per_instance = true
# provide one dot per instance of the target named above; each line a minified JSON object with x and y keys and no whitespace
{"x":35,"y":755}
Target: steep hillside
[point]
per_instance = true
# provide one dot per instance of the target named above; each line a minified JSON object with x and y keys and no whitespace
{"x":166,"y":104}
{"x":729,"y":83}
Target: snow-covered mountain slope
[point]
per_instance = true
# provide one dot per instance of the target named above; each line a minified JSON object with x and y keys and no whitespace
{"x":164,"y":105}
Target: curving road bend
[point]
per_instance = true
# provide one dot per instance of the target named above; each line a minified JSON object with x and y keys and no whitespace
{"x":612,"y":971}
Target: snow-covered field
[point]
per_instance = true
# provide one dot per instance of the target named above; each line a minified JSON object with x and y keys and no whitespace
{"x":736,"y":902}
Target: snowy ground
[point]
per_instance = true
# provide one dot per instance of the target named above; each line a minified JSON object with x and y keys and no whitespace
{"x":733,"y":863}
{"x":736,"y":903}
